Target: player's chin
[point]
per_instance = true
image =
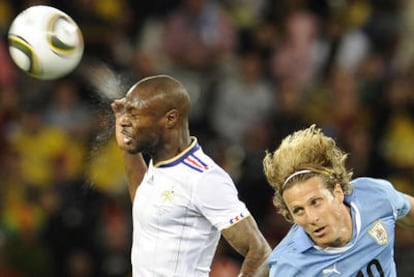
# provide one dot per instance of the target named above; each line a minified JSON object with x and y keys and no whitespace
{"x":127,"y":147}
{"x":322,"y":241}
{"x":130,"y":149}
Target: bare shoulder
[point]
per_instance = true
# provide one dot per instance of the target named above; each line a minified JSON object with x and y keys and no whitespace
{"x":408,"y":220}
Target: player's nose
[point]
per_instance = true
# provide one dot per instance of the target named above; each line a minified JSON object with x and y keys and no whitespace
{"x":124,"y":120}
{"x":312,"y":217}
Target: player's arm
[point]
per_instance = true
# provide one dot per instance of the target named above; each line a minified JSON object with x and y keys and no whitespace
{"x":246,"y":238}
{"x":135,"y":166}
{"x":408,"y":220}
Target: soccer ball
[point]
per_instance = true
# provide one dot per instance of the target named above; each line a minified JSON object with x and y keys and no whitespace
{"x":45,"y":42}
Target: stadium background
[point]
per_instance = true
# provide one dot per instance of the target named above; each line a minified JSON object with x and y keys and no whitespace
{"x":256,"y":70}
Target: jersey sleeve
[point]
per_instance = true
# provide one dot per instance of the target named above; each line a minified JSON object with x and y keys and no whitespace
{"x":399,"y":202}
{"x":216,"y":197}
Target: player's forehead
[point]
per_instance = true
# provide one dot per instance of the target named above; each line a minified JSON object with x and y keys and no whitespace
{"x":135,"y":98}
{"x":301,"y":192}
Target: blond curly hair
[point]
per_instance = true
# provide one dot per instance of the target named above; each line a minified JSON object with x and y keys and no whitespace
{"x":311,"y":153}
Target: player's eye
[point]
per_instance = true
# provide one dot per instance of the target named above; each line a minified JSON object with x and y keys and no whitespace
{"x":316,"y":201}
{"x":297,"y":211}
{"x":131,"y":112}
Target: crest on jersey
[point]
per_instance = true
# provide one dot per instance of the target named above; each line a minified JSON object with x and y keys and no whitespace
{"x":167,"y":195}
{"x":378,"y":232}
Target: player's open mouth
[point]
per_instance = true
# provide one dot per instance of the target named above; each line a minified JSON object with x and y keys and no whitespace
{"x":127,"y":137}
{"x":319,"y":232}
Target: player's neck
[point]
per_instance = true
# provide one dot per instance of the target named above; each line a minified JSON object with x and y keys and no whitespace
{"x":348,"y":225}
{"x":346,"y":230}
{"x":172,"y":149}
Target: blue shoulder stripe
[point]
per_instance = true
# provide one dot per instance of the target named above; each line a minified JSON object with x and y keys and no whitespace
{"x":188,"y":159}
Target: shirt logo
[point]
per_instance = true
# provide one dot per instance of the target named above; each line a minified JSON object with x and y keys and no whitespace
{"x":378,"y":232}
{"x":167,"y":195}
{"x":331,"y":270}
{"x":236,"y":218}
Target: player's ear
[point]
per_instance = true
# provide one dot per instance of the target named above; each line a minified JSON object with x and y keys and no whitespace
{"x":171,"y":118}
{"x":339,"y":193}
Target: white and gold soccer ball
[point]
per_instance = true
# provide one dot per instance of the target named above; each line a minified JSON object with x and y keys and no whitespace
{"x":45,"y":42}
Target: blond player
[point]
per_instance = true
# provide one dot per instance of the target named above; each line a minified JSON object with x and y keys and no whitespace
{"x":341,"y":227}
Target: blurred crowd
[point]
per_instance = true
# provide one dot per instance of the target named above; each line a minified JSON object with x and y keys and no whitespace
{"x":256,"y":70}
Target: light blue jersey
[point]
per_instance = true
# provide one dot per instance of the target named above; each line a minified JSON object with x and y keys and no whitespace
{"x":375,"y":207}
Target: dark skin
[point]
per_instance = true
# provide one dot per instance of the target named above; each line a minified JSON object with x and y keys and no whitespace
{"x":153,"y":118}
{"x":408,"y":220}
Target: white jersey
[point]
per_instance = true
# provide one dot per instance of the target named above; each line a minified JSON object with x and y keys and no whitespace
{"x":179,"y":211}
